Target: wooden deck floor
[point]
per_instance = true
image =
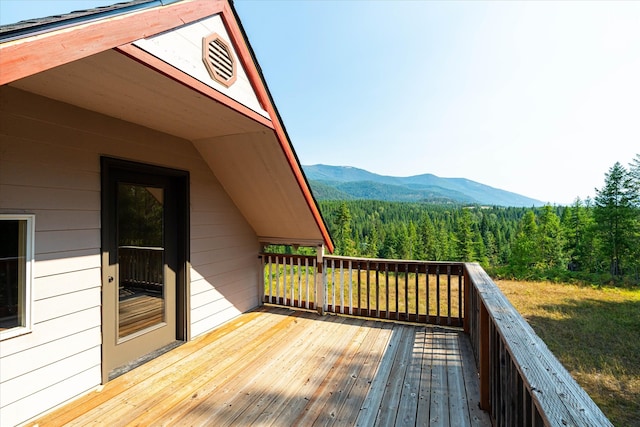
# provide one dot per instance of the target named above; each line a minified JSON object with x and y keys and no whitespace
{"x":281,"y":367}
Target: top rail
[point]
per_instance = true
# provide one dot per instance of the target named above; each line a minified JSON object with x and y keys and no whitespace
{"x":521,"y":382}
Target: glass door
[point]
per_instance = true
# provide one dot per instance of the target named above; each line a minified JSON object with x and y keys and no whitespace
{"x":142,"y":230}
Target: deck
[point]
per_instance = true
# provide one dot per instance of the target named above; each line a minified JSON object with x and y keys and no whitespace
{"x":280,"y":367}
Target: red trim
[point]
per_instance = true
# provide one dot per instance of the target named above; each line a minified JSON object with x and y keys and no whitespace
{"x":25,"y":57}
{"x":173,"y":73}
{"x":257,"y":83}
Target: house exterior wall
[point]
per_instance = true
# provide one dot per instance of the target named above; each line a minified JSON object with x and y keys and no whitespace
{"x":50,"y":166}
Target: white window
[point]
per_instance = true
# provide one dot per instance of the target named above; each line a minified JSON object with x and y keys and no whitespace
{"x":16,"y":259}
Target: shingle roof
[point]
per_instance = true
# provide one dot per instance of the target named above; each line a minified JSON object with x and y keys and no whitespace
{"x":39,"y":25}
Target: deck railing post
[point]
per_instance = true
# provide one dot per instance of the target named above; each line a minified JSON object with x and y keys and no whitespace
{"x":319,"y":280}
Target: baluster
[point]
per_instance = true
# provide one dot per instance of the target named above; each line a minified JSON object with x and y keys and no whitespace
{"x":438,"y":294}
{"x":306,"y":275}
{"x":270,"y":281}
{"x":426,"y":269}
{"x":377,"y":290}
{"x":292,"y":277}
{"x":406,"y":291}
{"x":448,"y":295}
{"x":326,"y":285}
{"x":278,"y":281}
{"x":460,"y":292}
{"x":333,"y":285}
{"x":299,"y":283}
{"x":350,"y":287}
{"x":397,"y":295}
{"x":417,"y":294}
{"x":359,"y":291}
{"x":342,"y":286}
{"x":368,"y":290}
{"x":386,"y":293}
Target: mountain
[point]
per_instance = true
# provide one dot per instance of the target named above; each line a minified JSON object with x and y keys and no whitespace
{"x":346,"y":183}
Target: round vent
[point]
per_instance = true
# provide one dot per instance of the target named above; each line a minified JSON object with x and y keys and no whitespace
{"x":218,"y":58}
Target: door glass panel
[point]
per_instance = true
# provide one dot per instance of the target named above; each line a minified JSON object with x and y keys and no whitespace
{"x":141,"y":302}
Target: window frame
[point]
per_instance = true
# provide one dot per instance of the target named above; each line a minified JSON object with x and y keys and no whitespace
{"x":27,"y":294}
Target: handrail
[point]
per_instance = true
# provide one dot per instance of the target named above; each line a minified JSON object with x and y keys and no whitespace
{"x":521,"y":382}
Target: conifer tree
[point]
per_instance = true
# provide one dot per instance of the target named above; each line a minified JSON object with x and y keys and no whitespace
{"x":464,"y":237}
{"x":549,"y":240}
{"x":614,"y":216}
{"x":524,"y":256}
{"x":344,"y":241}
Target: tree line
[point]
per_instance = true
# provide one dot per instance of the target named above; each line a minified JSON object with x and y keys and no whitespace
{"x":593,"y":240}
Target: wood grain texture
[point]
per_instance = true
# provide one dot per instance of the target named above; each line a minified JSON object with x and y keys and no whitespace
{"x":275,"y":366}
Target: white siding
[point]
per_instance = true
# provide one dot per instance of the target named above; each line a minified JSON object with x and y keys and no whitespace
{"x":50,"y":166}
{"x":182,"y":48}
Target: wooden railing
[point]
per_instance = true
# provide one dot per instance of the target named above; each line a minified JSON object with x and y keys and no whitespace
{"x":521,"y":382}
{"x":290,"y":280}
{"x":141,"y":267}
{"x":413,"y":291}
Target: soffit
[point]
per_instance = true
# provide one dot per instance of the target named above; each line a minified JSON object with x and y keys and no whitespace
{"x":115,"y":85}
{"x":246,"y":156}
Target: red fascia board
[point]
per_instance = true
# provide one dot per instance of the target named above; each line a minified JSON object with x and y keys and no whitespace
{"x":256,"y":81}
{"x":31,"y":55}
{"x":173,"y":73}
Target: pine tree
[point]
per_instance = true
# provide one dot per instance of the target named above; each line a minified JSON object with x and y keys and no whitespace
{"x":344,"y":241}
{"x":614,"y":216}
{"x":549,"y":240}
{"x":634,"y":174}
{"x":426,"y":246}
{"x":464,"y":237}
{"x":524,"y":250}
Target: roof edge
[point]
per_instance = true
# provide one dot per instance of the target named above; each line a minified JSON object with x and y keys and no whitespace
{"x":36,"y":26}
{"x":284,"y":139}
{"x":21,"y":57}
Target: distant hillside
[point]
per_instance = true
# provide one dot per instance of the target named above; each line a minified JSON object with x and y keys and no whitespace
{"x":346,"y":183}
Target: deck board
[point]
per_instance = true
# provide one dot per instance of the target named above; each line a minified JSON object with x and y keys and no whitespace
{"x":275,"y":366}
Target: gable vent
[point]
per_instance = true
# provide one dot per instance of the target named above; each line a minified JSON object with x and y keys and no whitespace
{"x":218,"y":58}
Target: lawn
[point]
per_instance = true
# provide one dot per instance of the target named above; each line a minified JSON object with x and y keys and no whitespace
{"x":595,"y":333}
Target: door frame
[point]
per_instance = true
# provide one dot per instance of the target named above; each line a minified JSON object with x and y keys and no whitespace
{"x":111,"y":165}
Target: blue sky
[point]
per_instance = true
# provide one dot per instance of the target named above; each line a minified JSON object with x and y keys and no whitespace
{"x":538,"y":98}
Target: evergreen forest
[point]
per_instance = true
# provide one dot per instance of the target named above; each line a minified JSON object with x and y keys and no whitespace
{"x":595,"y":241}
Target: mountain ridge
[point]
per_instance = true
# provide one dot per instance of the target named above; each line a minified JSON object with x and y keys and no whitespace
{"x":348,"y":183}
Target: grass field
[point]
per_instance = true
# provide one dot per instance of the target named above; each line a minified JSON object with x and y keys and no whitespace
{"x":595,"y":333}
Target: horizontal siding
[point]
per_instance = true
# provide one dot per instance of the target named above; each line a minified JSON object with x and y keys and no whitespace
{"x":54,"y":395}
{"x":35,"y":358}
{"x":50,"y":167}
{"x":65,"y":304}
{"x":53,"y":330}
{"x":51,"y":264}
{"x":19,"y":388}
{"x":61,"y":284}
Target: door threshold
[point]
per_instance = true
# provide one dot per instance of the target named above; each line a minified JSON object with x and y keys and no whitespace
{"x":143,"y":359}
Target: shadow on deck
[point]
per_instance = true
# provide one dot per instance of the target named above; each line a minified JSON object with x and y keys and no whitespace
{"x":275,"y":366}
